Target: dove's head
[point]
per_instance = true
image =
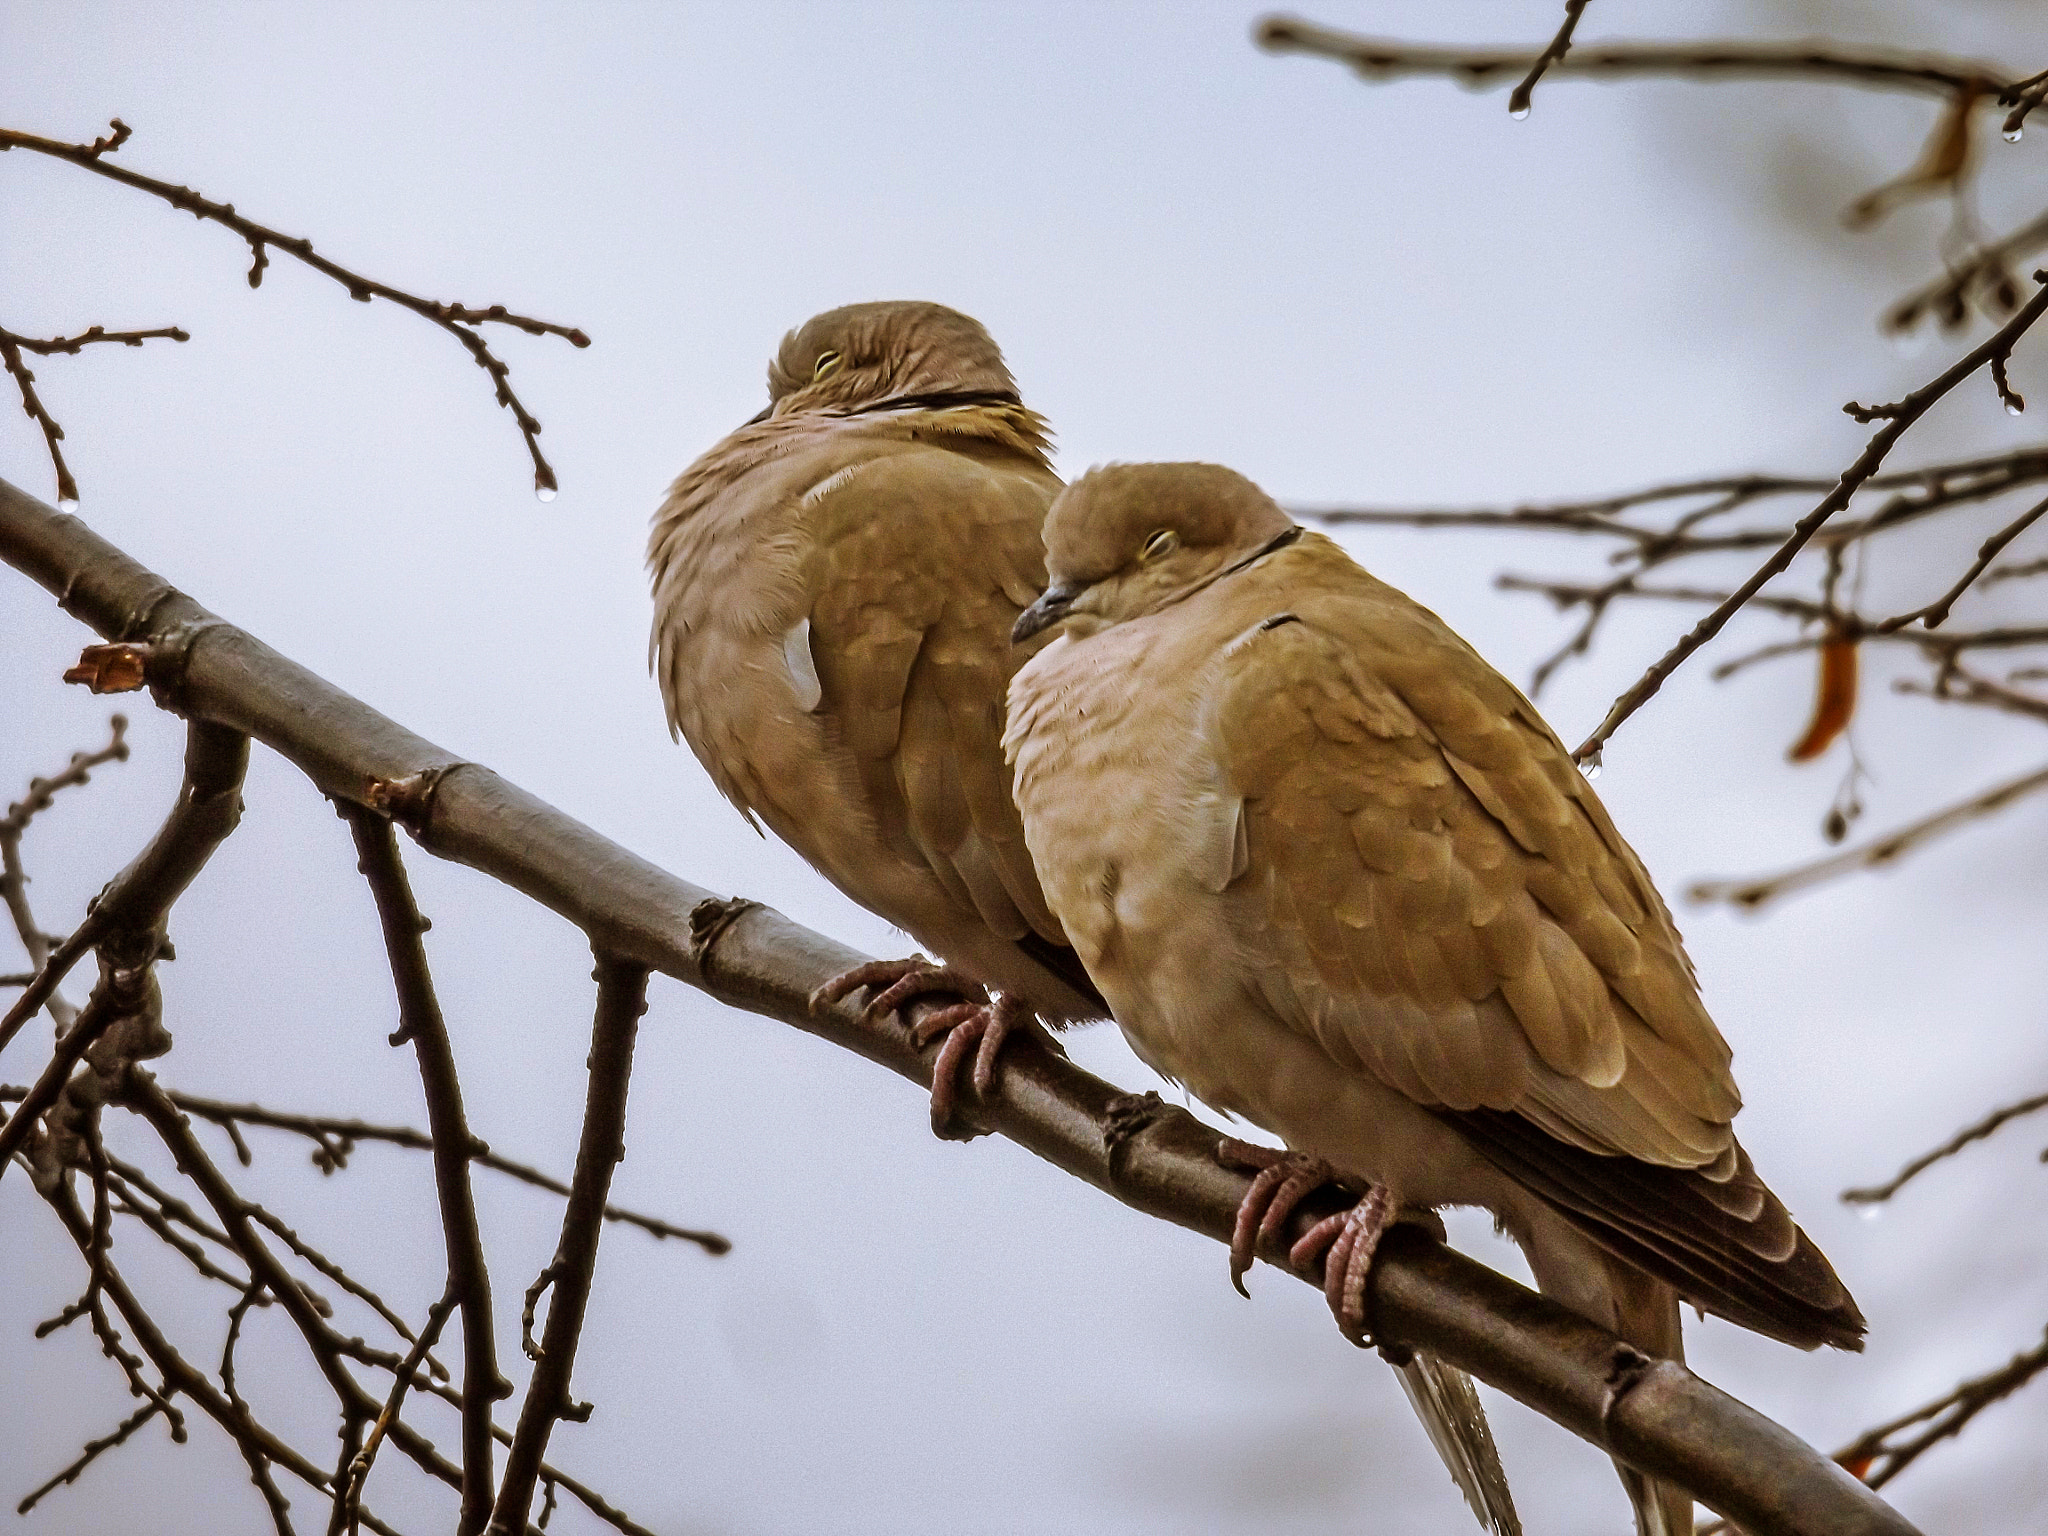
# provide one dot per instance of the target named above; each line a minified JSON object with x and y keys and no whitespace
{"x":868,"y":356}
{"x":1126,"y":540}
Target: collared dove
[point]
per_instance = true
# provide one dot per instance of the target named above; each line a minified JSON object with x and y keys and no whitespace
{"x":834,"y":587}
{"x":1336,"y":875}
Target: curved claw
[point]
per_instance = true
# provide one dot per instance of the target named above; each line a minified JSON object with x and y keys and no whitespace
{"x":977,"y":1028}
{"x":875,"y":973}
{"x":923,"y":981}
{"x":1282,"y":1182}
{"x":1352,"y":1237}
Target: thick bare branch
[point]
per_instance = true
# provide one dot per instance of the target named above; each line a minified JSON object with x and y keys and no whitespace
{"x":621,"y":999}
{"x":1661,"y":1419}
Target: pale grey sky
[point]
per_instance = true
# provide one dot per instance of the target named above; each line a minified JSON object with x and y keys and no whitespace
{"x":1187,"y":249}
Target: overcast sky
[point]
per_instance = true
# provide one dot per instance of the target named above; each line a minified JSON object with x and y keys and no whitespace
{"x":1187,"y":248}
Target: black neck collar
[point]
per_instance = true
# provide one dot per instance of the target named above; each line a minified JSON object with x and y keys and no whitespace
{"x":940,"y":400}
{"x":1272,"y":546}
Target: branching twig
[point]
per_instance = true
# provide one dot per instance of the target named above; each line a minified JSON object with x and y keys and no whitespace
{"x":1519,"y":99}
{"x":348,"y":1493}
{"x":1877,"y":1194}
{"x":1377,"y":58}
{"x":621,"y":999}
{"x":1983,"y":271}
{"x":329,"y":1132}
{"x":180,"y":1375}
{"x":14,"y":880}
{"x":459,"y":320}
{"x":1896,"y":418}
{"x":420,"y":1021}
{"x":1753,"y":892}
{"x":85,"y":1458}
{"x":1876,"y":1458}
{"x":128,"y":920}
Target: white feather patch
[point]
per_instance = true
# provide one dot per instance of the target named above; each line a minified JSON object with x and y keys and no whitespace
{"x":801,"y":665}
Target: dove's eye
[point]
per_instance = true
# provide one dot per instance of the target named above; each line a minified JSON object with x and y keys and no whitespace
{"x":1164,"y":542}
{"x":827,"y":361}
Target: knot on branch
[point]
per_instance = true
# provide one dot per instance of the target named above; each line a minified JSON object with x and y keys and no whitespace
{"x":408,"y":801}
{"x":710,"y":918}
{"x":1626,"y":1365}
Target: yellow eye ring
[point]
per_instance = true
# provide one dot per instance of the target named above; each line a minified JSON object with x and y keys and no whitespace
{"x":1162,"y":542}
{"x":827,"y":361}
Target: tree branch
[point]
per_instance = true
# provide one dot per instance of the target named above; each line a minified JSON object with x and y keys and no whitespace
{"x":621,"y":1000}
{"x":128,"y":921}
{"x":420,"y":1021}
{"x":1377,"y":58}
{"x":1879,"y":1193}
{"x":1520,"y":98}
{"x":1753,"y":892}
{"x":334,"y":1132}
{"x":1661,"y":1419}
{"x":14,"y":879}
{"x":1897,"y":419}
{"x":458,"y":320}
{"x":1877,"y":1458}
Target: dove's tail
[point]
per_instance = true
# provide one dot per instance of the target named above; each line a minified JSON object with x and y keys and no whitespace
{"x":1448,"y":1405}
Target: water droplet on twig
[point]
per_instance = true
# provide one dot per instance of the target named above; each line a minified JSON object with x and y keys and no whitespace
{"x":1869,"y":1210}
{"x":543,"y":493}
{"x":67,"y":503}
{"x":2012,"y":134}
{"x":1518,"y":113}
{"x":1592,"y":765}
{"x":2014,"y":405}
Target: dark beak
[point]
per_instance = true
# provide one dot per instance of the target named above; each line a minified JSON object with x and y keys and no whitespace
{"x":1050,"y":608}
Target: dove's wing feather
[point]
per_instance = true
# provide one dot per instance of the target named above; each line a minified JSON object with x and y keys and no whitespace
{"x":1442,"y":900}
{"x":833,"y":600}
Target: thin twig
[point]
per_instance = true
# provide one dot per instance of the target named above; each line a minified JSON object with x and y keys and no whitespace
{"x":1984,"y":270}
{"x":1754,"y":891}
{"x":181,"y":1377}
{"x":459,"y":320}
{"x":1377,"y":58}
{"x":85,"y":1458}
{"x":1897,"y":419}
{"x":1519,"y":98}
{"x":621,"y":999}
{"x":1877,"y":1194}
{"x":14,"y":879}
{"x":2022,"y":96}
{"x":326,"y":1130}
{"x":1936,"y":613}
{"x":1875,"y":1459}
{"x":420,"y":1021}
{"x":348,"y":1494}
